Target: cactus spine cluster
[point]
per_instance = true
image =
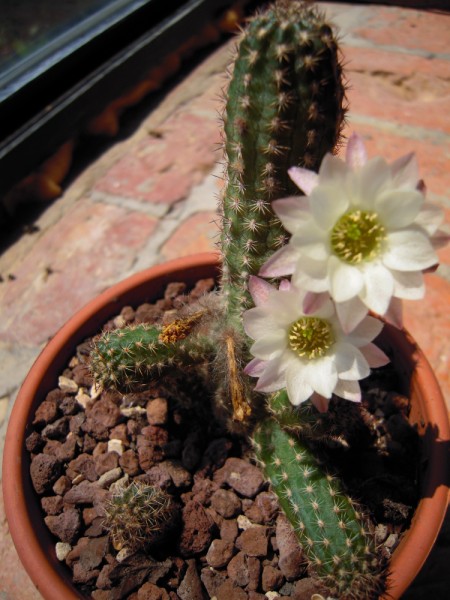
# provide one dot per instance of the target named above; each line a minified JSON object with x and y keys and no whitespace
{"x":139,"y":515}
{"x":285,"y":107}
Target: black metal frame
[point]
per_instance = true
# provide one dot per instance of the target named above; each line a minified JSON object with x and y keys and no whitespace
{"x":52,"y":108}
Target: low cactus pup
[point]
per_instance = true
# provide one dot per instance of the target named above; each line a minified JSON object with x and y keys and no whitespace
{"x":139,"y":515}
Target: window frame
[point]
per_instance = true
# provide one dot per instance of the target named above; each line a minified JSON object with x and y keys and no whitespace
{"x":54,"y":106}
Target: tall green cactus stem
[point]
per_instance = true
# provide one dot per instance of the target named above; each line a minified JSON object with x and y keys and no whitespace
{"x":284,"y":108}
{"x":124,"y":357}
{"x":139,"y":515}
{"x":327,"y":523}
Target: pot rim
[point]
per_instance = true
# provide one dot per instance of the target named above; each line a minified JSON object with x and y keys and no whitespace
{"x":38,"y":557}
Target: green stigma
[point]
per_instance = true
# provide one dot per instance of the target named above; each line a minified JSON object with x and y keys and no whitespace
{"x":310,"y":337}
{"x":357,"y":236}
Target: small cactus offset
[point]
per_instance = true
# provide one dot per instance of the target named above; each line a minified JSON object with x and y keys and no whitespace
{"x":284,"y":107}
{"x":329,"y":526}
{"x":126,"y":357}
{"x":138,"y":516}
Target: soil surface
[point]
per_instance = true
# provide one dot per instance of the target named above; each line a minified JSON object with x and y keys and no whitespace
{"x":229,"y":539}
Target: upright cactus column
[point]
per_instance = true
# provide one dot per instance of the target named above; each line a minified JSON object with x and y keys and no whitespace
{"x":284,"y":108}
{"x":327,"y":523}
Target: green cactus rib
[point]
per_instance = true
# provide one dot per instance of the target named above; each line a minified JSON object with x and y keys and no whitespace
{"x":326,"y":522}
{"x":124,"y":357}
{"x":284,"y":108}
{"x":138,"y":515}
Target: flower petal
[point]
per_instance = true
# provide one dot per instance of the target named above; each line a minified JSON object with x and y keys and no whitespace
{"x":394,"y":313}
{"x":439,"y":239}
{"x":320,"y":402}
{"x":273,"y":378}
{"x":405,"y":170}
{"x":430,"y":217}
{"x":374,"y":356}
{"x":350,"y":362}
{"x":378,"y":288}
{"x":409,"y":286}
{"x":298,"y":388}
{"x":365,"y":332}
{"x":313,"y":302}
{"x":346,"y":281}
{"x":256,"y":324}
{"x":349,"y":390}
{"x":368,"y":182}
{"x":311,"y":241}
{"x":259,"y":289}
{"x":328,"y":203}
{"x":356,"y":154}
{"x":398,"y":208}
{"x":304,"y":179}
{"x":291,"y":211}
{"x":332,"y":170}
{"x":269,"y":346}
{"x":255,"y":367}
{"x":409,"y":250}
{"x":322,"y":375}
{"x":282,"y":262}
{"x":351,"y":313}
{"x":311,"y":275}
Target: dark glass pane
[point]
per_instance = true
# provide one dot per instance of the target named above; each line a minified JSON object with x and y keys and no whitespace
{"x":27,"y":25}
{"x":34,"y":34}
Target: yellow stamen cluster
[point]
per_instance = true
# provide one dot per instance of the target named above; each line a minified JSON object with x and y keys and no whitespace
{"x":358,"y":235}
{"x":310,"y":337}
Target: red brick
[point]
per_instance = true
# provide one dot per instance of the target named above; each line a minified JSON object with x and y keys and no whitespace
{"x":197,"y":234}
{"x":71,"y":263}
{"x":404,"y":88}
{"x":411,"y":29}
{"x":15,"y":582}
{"x":163,"y":169}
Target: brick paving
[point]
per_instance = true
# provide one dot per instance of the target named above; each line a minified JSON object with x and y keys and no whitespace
{"x":151,"y":196}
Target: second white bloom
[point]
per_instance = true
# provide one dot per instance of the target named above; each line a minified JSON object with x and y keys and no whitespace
{"x":299,"y":345}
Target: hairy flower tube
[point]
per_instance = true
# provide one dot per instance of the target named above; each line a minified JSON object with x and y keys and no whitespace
{"x":363,"y":233}
{"x":299,"y":345}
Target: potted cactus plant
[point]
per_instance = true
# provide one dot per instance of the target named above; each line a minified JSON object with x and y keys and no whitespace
{"x":309,"y":246}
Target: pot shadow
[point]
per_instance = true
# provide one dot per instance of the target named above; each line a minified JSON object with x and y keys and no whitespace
{"x":433,"y":580}
{"x":428,"y":414}
{"x":435,"y":460}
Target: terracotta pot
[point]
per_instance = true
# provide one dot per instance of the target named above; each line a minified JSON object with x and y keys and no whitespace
{"x":33,"y":541}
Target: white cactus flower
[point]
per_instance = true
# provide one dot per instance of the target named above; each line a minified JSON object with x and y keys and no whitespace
{"x":363,"y":233}
{"x":299,"y":345}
